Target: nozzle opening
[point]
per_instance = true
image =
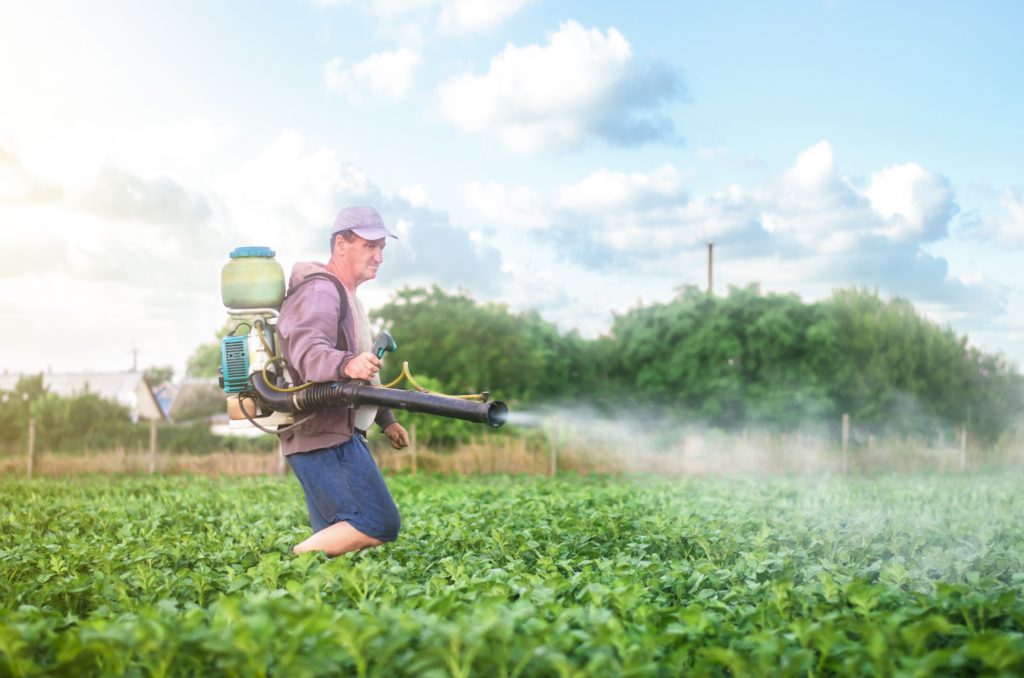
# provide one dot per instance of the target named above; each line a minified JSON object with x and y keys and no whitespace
{"x":497,"y":414}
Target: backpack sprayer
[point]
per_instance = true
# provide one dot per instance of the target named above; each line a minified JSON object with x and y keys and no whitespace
{"x":260,"y":386}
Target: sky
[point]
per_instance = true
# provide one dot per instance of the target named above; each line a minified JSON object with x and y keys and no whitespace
{"x":571,"y":157}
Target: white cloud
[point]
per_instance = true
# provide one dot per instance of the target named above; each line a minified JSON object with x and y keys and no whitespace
{"x":431,"y":250}
{"x":149,"y":250}
{"x":516,"y":206}
{"x":286,"y":190}
{"x":115,"y":192}
{"x":1011,"y":228}
{"x":814,"y":169}
{"x":18,"y":184}
{"x":74,"y":154}
{"x":35,"y":240}
{"x":450,"y":16}
{"x":99,"y":221}
{"x":288,"y":196}
{"x":1006,"y":228}
{"x":470,"y":16}
{"x":582,"y":84}
{"x":819,"y":208}
{"x":394,"y":8}
{"x":915,"y":203}
{"x":809,"y":228}
{"x":604,"y":190}
{"x":385,"y":75}
{"x":183,"y":149}
{"x":416,"y":195}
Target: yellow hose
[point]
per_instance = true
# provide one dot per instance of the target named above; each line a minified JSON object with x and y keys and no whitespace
{"x":276,"y":359}
{"x":406,"y":374}
{"x":290,"y":389}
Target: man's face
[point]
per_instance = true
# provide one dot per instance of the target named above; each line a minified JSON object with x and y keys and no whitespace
{"x":362,"y":258}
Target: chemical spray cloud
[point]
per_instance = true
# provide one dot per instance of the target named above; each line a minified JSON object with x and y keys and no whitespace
{"x":646,"y":441}
{"x":805,"y":469}
{"x":638,"y":440}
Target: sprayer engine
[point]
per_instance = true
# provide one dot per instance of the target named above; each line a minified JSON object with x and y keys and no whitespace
{"x":254,"y":378}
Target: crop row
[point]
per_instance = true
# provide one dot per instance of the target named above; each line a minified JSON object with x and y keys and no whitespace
{"x":512,"y":576}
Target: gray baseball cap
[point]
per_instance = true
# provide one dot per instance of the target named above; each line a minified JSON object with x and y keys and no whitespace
{"x":363,"y":221}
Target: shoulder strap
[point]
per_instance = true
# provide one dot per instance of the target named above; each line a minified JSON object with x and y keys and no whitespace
{"x":342,"y":343}
{"x":342,"y":294}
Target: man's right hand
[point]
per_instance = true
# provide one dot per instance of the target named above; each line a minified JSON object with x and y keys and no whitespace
{"x":363,"y":366}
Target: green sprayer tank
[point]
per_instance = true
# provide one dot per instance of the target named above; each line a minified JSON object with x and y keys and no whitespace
{"x":252,"y":279}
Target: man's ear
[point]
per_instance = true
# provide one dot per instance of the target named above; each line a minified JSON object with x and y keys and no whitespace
{"x":339,"y":247}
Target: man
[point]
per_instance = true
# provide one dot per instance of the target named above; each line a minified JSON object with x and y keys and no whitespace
{"x":325,"y":336}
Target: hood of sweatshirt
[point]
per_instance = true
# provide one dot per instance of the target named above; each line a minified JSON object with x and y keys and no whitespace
{"x":304,"y":269}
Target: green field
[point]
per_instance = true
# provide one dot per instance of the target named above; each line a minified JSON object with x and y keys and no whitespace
{"x":518,"y":576}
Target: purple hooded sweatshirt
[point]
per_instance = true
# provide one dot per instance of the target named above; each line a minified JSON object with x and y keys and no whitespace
{"x":316,"y":345}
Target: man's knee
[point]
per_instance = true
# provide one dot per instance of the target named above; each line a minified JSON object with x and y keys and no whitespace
{"x":391,"y":525}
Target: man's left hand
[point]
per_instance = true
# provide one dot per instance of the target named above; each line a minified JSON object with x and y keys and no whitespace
{"x":398,"y":436}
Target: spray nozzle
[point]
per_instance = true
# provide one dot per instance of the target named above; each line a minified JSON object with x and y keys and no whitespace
{"x":384,"y":343}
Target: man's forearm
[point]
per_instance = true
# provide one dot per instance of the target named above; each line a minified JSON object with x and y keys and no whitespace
{"x":385,"y":417}
{"x":320,"y":362}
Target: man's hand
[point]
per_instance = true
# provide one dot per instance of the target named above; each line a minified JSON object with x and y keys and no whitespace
{"x":363,"y":366}
{"x":398,"y":436}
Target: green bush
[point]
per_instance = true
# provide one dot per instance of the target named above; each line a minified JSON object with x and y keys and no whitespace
{"x":87,"y":422}
{"x":735,"y":361}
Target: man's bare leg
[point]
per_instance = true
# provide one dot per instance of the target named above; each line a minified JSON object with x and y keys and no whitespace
{"x":337,"y":539}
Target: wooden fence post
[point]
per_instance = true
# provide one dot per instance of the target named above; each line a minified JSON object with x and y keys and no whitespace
{"x":412,"y":447}
{"x":152,"y":446}
{"x":554,"y":453}
{"x":31,"y":446}
{"x":963,"y":449}
{"x":846,"y":444}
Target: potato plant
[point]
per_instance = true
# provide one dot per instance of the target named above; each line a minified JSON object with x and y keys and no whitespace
{"x":518,"y":577}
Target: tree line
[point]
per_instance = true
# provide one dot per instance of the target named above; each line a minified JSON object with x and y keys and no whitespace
{"x":745,"y":359}
{"x":87,"y":422}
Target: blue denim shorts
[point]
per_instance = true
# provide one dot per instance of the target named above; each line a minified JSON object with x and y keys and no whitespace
{"x":344,"y":483}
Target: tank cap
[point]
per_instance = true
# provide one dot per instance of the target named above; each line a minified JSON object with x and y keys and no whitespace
{"x":251,"y":251}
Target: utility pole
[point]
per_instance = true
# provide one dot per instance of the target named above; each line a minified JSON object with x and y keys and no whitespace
{"x":711,"y":247}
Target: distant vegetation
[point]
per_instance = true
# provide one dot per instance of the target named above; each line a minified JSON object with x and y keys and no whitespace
{"x":743,"y":360}
{"x":87,"y":422}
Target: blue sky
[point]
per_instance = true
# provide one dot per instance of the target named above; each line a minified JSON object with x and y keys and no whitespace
{"x":571,"y":157}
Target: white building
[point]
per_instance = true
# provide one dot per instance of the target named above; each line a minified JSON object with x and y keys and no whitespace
{"x":126,"y":388}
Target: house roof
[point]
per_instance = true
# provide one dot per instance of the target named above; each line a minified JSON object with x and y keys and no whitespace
{"x":197,"y":398}
{"x":165,"y":394}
